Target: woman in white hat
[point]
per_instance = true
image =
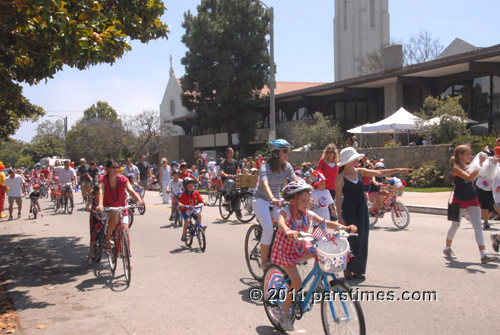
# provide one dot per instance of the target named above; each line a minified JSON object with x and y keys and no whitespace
{"x":352,"y":210}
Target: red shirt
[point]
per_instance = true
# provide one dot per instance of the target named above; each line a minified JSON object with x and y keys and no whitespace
{"x":46,"y":173}
{"x":329,"y":172}
{"x":187,"y":174}
{"x":190,"y":200}
{"x":114,"y":197}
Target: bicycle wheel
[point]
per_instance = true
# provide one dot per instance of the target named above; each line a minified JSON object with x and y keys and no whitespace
{"x":35,"y":212}
{"x":341,"y":314}
{"x":142,"y":209}
{"x":125,"y":255}
{"x":244,"y":211}
{"x":252,"y":251}
{"x":212,"y":197}
{"x":70,"y":205}
{"x":112,"y":255}
{"x":64,"y":204}
{"x":400,"y":215}
{"x":275,"y":284}
{"x":130,"y":218}
{"x":99,"y":239}
{"x":189,"y":236}
{"x":224,"y":208}
{"x":200,"y":234}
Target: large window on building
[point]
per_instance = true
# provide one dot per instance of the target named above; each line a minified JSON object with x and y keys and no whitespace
{"x":496,"y":102}
{"x":480,"y":108}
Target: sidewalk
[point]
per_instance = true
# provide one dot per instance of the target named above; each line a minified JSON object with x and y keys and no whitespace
{"x":427,"y":203}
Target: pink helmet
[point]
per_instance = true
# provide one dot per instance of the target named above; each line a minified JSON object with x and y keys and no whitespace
{"x":56,"y":178}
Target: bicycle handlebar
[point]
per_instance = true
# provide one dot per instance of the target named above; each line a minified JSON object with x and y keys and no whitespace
{"x":115,"y":209}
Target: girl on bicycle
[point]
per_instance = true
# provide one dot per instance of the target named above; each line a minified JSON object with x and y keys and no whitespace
{"x":287,"y":251}
{"x":272,"y":175}
{"x":465,"y":195}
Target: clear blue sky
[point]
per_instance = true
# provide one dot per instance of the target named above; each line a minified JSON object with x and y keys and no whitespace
{"x":303,"y":52}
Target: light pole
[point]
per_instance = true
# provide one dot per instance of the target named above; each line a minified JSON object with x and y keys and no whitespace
{"x":65,"y":119}
{"x":272,"y":112}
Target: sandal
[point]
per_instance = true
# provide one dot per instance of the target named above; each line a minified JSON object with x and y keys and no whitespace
{"x":348,"y":274}
{"x":358,"y":275}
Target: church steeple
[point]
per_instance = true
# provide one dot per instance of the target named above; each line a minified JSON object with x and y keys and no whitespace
{"x":171,"y":67}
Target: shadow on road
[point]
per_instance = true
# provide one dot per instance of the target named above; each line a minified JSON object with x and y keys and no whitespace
{"x":467,"y":266}
{"x":250,"y":291}
{"x":267,"y":330}
{"x":29,"y":261}
{"x":184,"y":248}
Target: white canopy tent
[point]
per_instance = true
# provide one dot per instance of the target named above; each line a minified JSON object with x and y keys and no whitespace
{"x":401,"y":121}
{"x":359,"y":130}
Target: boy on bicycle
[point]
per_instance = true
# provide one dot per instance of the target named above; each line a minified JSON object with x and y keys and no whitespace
{"x":174,"y":187}
{"x":190,"y":197}
{"x":34,"y":198}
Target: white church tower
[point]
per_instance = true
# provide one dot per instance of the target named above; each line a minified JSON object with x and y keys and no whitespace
{"x":360,"y":26}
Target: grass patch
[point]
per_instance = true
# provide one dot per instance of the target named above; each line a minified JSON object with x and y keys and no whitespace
{"x":429,"y":189}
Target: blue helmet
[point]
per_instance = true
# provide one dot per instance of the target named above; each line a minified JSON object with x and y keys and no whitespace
{"x":279,"y":144}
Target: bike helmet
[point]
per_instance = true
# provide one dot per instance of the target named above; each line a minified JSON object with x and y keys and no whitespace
{"x":187,"y":181}
{"x":379,"y":165}
{"x":183,"y":164}
{"x":295,"y":187}
{"x":36,"y":186}
{"x":175,"y":171}
{"x":279,"y":144}
{"x":174,"y":163}
{"x":219,"y":160}
{"x":56,"y":178}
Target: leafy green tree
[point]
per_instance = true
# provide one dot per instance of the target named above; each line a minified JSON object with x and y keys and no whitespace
{"x":47,"y":146}
{"x":317,"y":136}
{"x":11,"y":152}
{"x":451,"y":116}
{"x":100,"y":110}
{"x":227,"y":64}
{"x":96,"y":139}
{"x":50,"y":128}
{"x":39,"y":37}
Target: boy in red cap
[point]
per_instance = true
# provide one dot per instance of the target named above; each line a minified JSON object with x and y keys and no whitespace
{"x":321,"y":197}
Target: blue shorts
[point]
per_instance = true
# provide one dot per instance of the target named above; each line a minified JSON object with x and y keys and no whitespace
{"x":186,"y":216}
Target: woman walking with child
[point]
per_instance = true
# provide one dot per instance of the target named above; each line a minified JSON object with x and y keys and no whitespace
{"x":465,"y":195}
{"x":352,"y":210}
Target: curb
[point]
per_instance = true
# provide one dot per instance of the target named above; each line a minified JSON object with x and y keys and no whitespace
{"x":427,"y":210}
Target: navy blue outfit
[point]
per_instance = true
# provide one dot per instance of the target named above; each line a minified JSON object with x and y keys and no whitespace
{"x":355,"y":212}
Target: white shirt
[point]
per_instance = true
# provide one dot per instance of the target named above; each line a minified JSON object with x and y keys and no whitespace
{"x":131,"y":170}
{"x":175,"y":186}
{"x":15,"y":185}
{"x":496,"y":195}
{"x":321,"y":201}
{"x":65,"y":176}
{"x":484,"y":184}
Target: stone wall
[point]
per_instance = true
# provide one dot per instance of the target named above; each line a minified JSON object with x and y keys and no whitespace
{"x":394,"y":157}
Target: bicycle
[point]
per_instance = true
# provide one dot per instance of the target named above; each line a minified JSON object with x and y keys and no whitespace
{"x":98,"y":235}
{"x":399,"y":213}
{"x":120,"y":247}
{"x":65,"y":199}
{"x":214,"y":194}
{"x":176,"y":212}
{"x":195,"y":229}
{"x":252,"y":247}
{"x":34,"y":207}
{"x":238,"y":201}
{"x":341,"y":313}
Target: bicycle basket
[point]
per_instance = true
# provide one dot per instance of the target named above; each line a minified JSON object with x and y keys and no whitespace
{"x":333,"y":257}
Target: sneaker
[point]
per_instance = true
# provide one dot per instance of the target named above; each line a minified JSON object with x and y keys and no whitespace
{"x":486,"y":226}
{"x":183,"y":238}
{"x":449,"y":253}
{"x":171,"y":218}
{"x":18,"y":215}
{"x":10,"y":217}
{"x":488,"y":258}
{"x":285,"y":320}
{"x":494,"y":241}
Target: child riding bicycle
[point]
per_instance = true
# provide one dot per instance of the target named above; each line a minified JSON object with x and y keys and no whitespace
{"x":174,"y":187}
{"x":287,"y":251}
{"x":34,"y":198}
{"x":190,"y":197}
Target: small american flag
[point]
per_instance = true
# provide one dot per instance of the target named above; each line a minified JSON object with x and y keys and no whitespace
{"x":320,"y":231}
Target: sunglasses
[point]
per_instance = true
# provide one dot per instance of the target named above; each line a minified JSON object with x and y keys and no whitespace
{"x":330,"y":152}
{"x":115,"y":167}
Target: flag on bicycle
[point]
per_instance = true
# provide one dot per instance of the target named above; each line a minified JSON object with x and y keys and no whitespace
{"x":320,"y":231}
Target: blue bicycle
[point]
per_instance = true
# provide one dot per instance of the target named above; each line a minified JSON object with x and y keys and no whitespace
{"x":341,"y":313}
{"x":195,"y":229}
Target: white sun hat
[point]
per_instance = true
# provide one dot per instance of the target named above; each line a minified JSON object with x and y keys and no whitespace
{"x":348,"y":155}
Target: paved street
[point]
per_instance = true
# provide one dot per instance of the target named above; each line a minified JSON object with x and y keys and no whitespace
{"x":176,"y":290}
